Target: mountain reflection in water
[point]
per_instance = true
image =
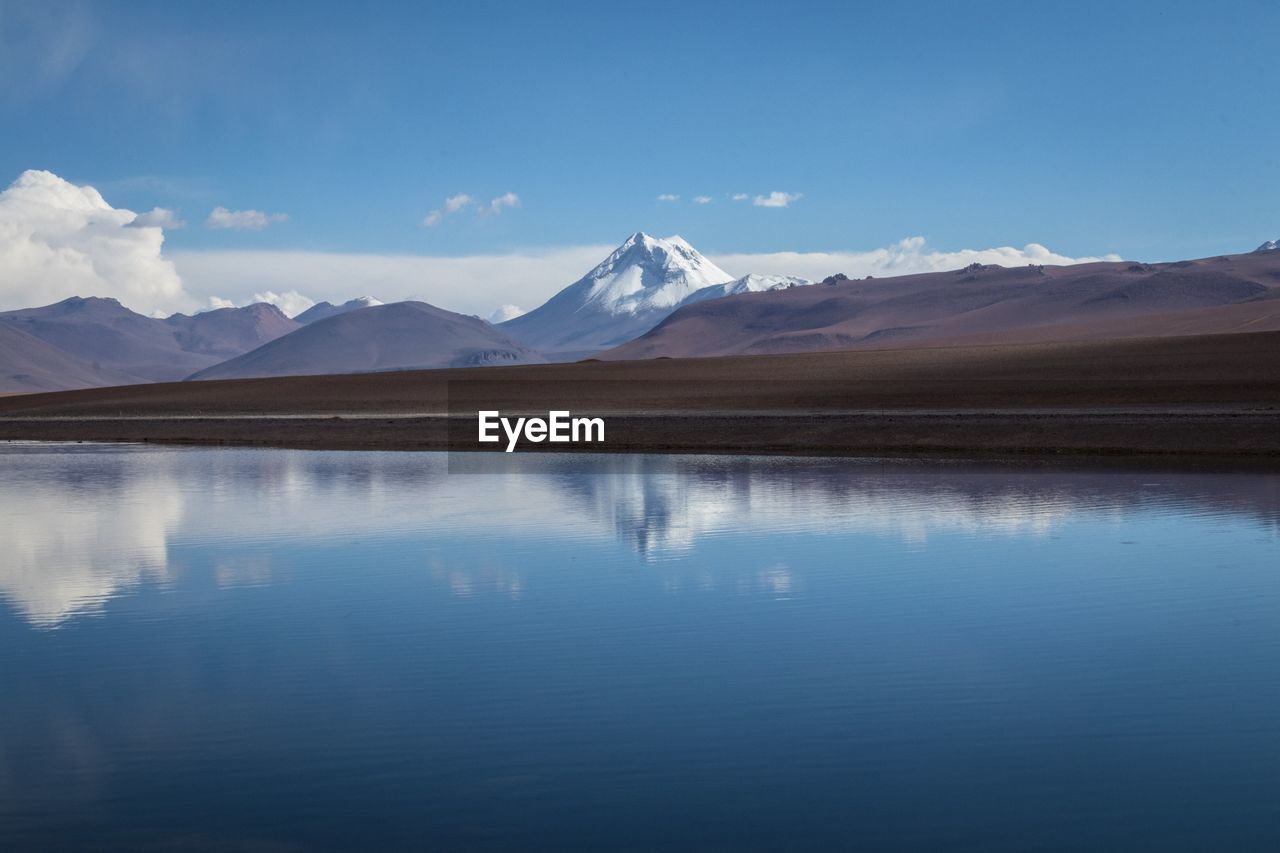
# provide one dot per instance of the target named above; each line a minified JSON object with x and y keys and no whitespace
{"x":85,"y":522}
{"x":270,"y":649}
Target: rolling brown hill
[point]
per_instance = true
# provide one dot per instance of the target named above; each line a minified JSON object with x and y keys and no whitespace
{"x":28,"y":365}
{"x":399,"y":336}
{"x":980,"y":304}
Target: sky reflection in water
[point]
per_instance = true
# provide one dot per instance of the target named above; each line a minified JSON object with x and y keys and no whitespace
{"x":206,"y":648}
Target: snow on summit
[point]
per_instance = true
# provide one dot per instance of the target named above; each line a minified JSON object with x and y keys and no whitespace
{"x":627,"y":294}
{"x":751,"y":283}
{"x":640,"y":283}
{"x":646,"y":272}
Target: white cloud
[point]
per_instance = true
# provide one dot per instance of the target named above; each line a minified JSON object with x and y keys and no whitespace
{"x":463,"y":201}
{"x":702,"y":199}
{"x":451,"y":205}
{"x":242,"y":220}
{"x":668,"y":197}
{"x":159,"y":217}
{"x":59,"y":240}
{"x":776,"y":199}
{"x":505,"y":312}
{"x":903,"y":258}
{"x":291,"y":302}
{"x":504,"y":200}
{"x":741,"y":196}
{"x":473,"y":284}
{"x":454,"y":203}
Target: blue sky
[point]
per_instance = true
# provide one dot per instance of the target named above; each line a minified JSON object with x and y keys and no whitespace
{"x":1144,"y":129}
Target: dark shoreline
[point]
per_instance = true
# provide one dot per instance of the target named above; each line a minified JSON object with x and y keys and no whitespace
{"x":1196,"y":396}
{"x":1249,"y":437}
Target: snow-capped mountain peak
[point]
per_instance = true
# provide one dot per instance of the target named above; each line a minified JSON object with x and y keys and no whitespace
{"x":647,"y":273}
{"x":1269,"y":246}
{"x":628,"y":293}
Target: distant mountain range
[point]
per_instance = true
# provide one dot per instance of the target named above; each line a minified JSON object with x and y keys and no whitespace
{"x":399,"y":336}
{"x":979,"y":304}
{"x":649,"y":298}
{"x":100,"y":342}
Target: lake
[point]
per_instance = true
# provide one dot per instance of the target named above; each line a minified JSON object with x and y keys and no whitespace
{"x":296,"y":650}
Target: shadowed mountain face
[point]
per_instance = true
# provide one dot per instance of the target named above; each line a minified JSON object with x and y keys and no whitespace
{"x":104,"y":332}
{"x":28,"y":364}
{"x":980,"y":304}
{"x":122,"y":346}
{"x":229,"y":332}
{"x":400,"y":336}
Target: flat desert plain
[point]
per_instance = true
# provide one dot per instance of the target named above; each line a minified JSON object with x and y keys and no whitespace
{"x":1189,"y":395}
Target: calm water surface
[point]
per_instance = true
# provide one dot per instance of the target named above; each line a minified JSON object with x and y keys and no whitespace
{"x":286,"y":650}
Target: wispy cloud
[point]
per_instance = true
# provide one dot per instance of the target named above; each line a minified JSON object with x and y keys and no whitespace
{"x":776,"y":199}
{"x":242,"y":220}
{"x":504,"y":200}
{"x":463,"y":201}
{"x":188,"y":187}
{"x":773,"y":199}
{"x":451,"y":205}
{"x":454,"y":203}
{"x":44,"y":45}
{"x":159,"y":217}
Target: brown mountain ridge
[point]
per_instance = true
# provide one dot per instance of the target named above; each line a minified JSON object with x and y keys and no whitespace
{"x":979,"y":304}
